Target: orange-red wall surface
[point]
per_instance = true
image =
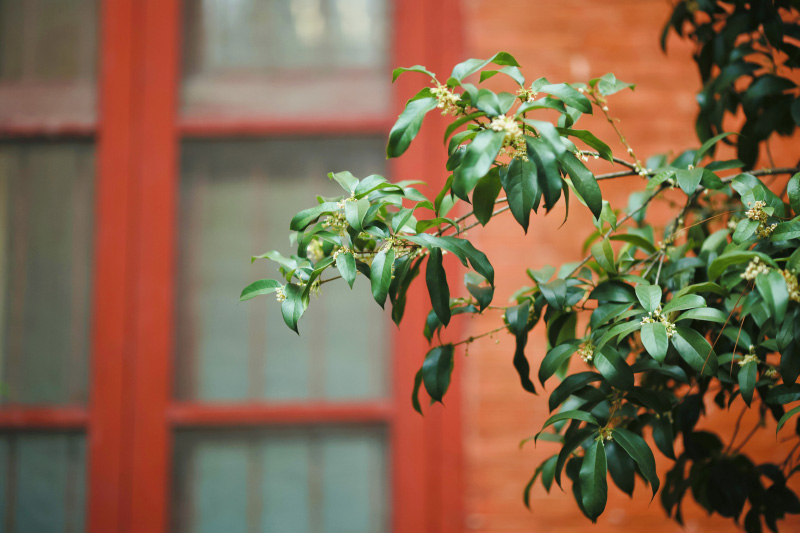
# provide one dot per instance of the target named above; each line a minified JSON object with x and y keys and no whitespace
{"x":574,"y":40}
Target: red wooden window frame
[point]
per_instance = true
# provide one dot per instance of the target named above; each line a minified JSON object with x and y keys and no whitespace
{"x":131,"y":415}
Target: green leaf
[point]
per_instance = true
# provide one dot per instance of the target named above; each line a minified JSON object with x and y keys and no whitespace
{"x":593,"y":482}
{"x":521,"y":364}
{"x":486,"y":192}
{"x":259,"y":288}
{"x":478,"y":160}
{"x":785,"y":231}
{"x":345,"y":179}
{"x":695,"y":350}
{"x":609,"y":84}
{"x":415,"y":393}
{"x":409,"y":122}
{"x":584,"y":182}
{"x":295,"y":304}
{"x":471,"y":66}
{"x":305,"y":217}
{"x":655,"y":340}
{"x":649,"y":296}
{"x":785,"y":418}
{"x":664,"y":436}
{"x":687,"y":301}
{"x":555,"y":292}
{"x":613,"y":367}
{"x":416,"y":68}
{"x":547,"y":172}
{"x":747,"y":380}
{"x":571,"y":97}
{"x":636,"y":240}
{"x":604,"y":255}
{"x":381,"y":275}
{"x":772,"y":287}
{"x":588,"y":137}
{"x":512,"y":72}
{"x":721,"y":263}
{"x":436,"y":371}
{"x":574,"y":440}
{"x":548,"y":472}
{"x":571,"y":384}
{"x":745,"y":229}
{"x":639,"y":451}
{"x":621,"y":467}
{"x":483,"y":295}
{"x":708,"y":145}
{"x":709,"y":314}
{"x":688,"y":180}
{"x":460,"y":122}
{"x":355,"y":212}
{"x":793,"y":188}
{"x":439,"y":291}
{"x":522,"y":190}
{"x":783,"y":394}
{"x":554,"y":358}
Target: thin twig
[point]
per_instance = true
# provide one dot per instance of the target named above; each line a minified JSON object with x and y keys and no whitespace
{"x":475,"y":337}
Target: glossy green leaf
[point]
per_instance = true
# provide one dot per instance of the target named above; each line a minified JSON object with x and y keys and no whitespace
{"x":355,"y":212}
{"x":347,"y":181}
{"x":554,"y":359}
{"x":609,"y":84}
{"x":416,"y":68}
{"x":478,"y":160}
{"x":512,"y":72}
{"x":663,"y":436}
{"x":575,"y":440}
{"x":293,"y":307}
{"x":521,"y":364}
{"x":708,"y":145}
{"x":636,"y":240}
{"x":655,"y":340}
{"x":793,"y":189}
{"x":745,"y":229}
{"x":613,"y":367}
{"x":721,"y":263}
{"x":649,"y":296}
{"x":593,"y":142}
{"x":436,"y":371}
{"x":687,"y":301}
{"x":522,"y":190}
{"x":547,"y":172}
{"x":415,"y":393}
{"x":689,"y":180}
{"x":381,"y":275}
{"x":695,"y":350}
{"x":555,"y":292}
{"x":783,"y":394}
{"x":785,"y":418}
{"x":483,"y":295}
{"x":438,"y":289}
{"x":785,"y":231}
{"x":570,"y":96}
{"x":409,"y":122}
{"x":584,"y":182}
{"x":570,"y":385}
{"x":709,"y":314}
{"x":305,"y":217}
{"x":484,"y":196}
{"x":604,"y":255}
{"x":639,"y":451}
{"x":621,"y":467}
{"x":772,"y":287}
{"x":748,"y":373}
{"x":471,"y":66}
{"x":259,"y":288}
{"x":593,"y":482}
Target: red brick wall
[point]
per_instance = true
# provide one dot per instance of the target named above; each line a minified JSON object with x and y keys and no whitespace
{"x":571,"y":40}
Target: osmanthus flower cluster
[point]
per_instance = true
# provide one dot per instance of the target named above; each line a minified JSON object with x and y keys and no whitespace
{"x":652,"y":322}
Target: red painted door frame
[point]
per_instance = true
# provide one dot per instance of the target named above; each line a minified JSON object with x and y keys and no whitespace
{"x":132,"y":415}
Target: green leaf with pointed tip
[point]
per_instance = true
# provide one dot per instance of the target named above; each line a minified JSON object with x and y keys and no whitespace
{"x":460,"y":122}
{"x":604,"y":255}
{"x":772,"y":287}
{"x":355,"y":212}
{"x":785,"y":231}
{"x":793,"y":188}
{"x":409,"y":122}
{"x":609,"y":84}
{"x":639,"y":451}
{"x":649,"y":296}
{"x":593,"y":482}
{"x":785,"y":418}
{"x":521,"y":364}
{"x":571,"y":384}
{"x":439,"y":291}
{"x":259,"y":288}
{"x":295,"y":304}
{"x":305,"y":217}
{"x":522,"y":189}
{"x":554,"y":358}
{"x":416,"y":68}
{"x":575,"y":440}
{"x":584,"y":182}
{"x":436,"y":371}
{"x":570,"y":96}
{"x":415,"y":393}
{"x":568,"y":415}
{"x":783,"y":394}
{"x":621,"y":467}
{"x":512,"y":72}
{"x":655,"y":340}
{"x":345,"y":179}
{"x":636,"y":240}
{"x":709,"y":314}
{"x":664,"y":436}
{"x":744,"y":230}
{"x":346,"y":264}
{"x":708,"y":145}
{"x":555,"y":292}
{"x":471,"y":66}
{"x":484,"y":196}
{"x":748,"y":373}
{"x":380,"y":275}
{"x":478,"y":160}
{"x":548,"y":472}
{"x":688,"y":180}
{"x":695,"y":350}
{"x":613,"y":367}
{"x":588,"y":137}
{"x":721,"y":263}
{"x":687,"y":301}
{"x":483,"y":295}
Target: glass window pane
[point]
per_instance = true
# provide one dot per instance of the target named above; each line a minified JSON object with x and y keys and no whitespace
{"x":299,"y":480}
{"x":42,"y":482}
{"x":46,"y":242}
{"x":277,"y":57}
{"x":48,"y":54}
{"x":237,"y":198}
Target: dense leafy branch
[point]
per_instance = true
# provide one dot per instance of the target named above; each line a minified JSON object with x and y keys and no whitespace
{"x":650,"y":323}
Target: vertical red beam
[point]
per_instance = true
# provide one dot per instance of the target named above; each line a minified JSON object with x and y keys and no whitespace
{"x":156,"y":152}
{"x":111,"y":270}
{"x":427,"y":460}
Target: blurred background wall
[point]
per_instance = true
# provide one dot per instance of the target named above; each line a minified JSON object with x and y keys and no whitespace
{"x":148,"y":148}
